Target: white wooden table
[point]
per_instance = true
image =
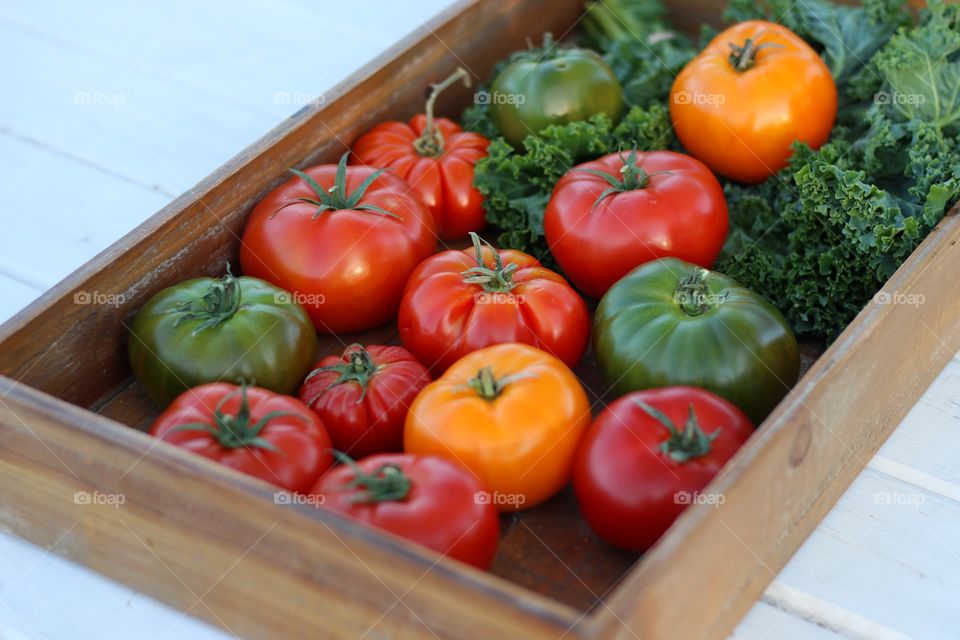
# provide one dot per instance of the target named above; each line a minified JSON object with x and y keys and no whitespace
{"x":108,"y":110}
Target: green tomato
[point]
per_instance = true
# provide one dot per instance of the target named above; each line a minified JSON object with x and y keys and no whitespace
{"x":565,"y":85}
{"x":228,"y":329}
{"x":669,"y":322}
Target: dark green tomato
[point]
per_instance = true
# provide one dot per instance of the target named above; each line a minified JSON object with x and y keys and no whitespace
{"x":228,"y":329}
{"x":566,"y":85}
{"x":669,"y":322}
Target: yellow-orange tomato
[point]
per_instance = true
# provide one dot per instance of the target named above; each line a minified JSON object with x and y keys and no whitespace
{"x":755,"y":90}
{"x":511,"y":414}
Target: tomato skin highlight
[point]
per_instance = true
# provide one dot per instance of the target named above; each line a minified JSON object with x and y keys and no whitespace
{"x":444,"y":183}
{"x":520,"y":443}
{"x":365,"y":417}
{"x":443,"y":318}
{"x":680,"y":213}
{"x":629,"y":491}
{"x":268,"y":339}
{"x":443,"y":511}
{"x":303,"y":446}
{"x":346,"y":267}
{"x":742,"y":124}
{"x":738,"y":347}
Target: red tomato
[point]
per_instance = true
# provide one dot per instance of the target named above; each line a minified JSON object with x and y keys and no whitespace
{"x":436,"y":157}
{"x":363,"y":396}
{"x":608,"y":216}
{"x":426,"y":499}
{"x":344,"y":254}
{"x":261,"y":433}
{"x":459,"y":301}
{"x":648,"y":455}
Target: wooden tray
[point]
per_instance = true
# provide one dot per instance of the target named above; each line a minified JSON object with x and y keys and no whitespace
{"x":213,"y":542}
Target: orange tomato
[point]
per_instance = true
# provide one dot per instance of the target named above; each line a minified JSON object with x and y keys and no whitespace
{"x":511,"y":414}
{"x":744,"y":100}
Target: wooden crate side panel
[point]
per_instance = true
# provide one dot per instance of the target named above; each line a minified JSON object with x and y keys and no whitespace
{"x":190,"y":529}
{"x":199,"y":231}
{"x":793,"y":470}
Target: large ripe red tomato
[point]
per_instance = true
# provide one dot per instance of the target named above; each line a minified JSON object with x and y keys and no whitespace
{"x":459,"y":301}
{"x":363,"y":396}
{"x":648,"y":455}
{"x":342,"y":240}
{"x":426,"y":499}
{"x":436,"y":157}
{"x":751,"y":93}
{"x":261,"y":433}
{"x":608,"y":216}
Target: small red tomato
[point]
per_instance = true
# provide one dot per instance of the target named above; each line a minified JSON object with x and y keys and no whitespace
{"x":426,"y":499}
{"x":459,"y":301}
{"x":648,"y":455}
{"x":436,"y":157}
{"x":363,"y":396}
{"x":264,"y":434}
{"x":608,"y":216}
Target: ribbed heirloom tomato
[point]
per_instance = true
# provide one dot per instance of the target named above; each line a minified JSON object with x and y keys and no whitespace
{"x":436,"y":157}
{"x":460,"y":301}
{"x":510,"y":413}
{"x":342,"y":240}
{"x":425,"y":499}
{"x":648,"y":456}
{"x":751,"y":93}
{"x":363,"y":396}
{"x":610,"y":215}
{"x":266,"y":435}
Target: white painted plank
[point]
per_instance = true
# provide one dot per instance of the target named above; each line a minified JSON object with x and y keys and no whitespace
{"x":58,"y":213}
{"x":929,"y":438}
{"x":886,"y":553}
{"x":14,"y":295}
{"x":106,"y":113}
{"x":268,"y":55}
{"x":767,"y":622}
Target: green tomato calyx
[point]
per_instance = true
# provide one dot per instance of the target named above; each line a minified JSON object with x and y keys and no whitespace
{"x":682,"y":444}
{"x":632,"y":177}
{"x":694,"y":297}
{"x":217,"y":305}
{"x":336,"y":198}
{"x":388,"y":482}
{"x":499,"y":278}
{"x":236,"y":430}
{"x":743,"y":57}
{"x":489,"y":387}
{"x":357,"y":366}
{"x":431,"y":142}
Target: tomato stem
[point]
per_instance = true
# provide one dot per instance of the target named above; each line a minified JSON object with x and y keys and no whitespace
{"x":431,"y":142}
{"x":388,"y":482}
{"x":497,"y":279}
{"x":358,"y":367}
{"x":693,"y":295}
{"x":683,"y":444}
{"x":489,"y":387}
{"x":744,"y":56}
{"x":336,"y":198}
{"x":218,"y":305}
{"x":632,"y":177}
{"x":234,"y":431}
